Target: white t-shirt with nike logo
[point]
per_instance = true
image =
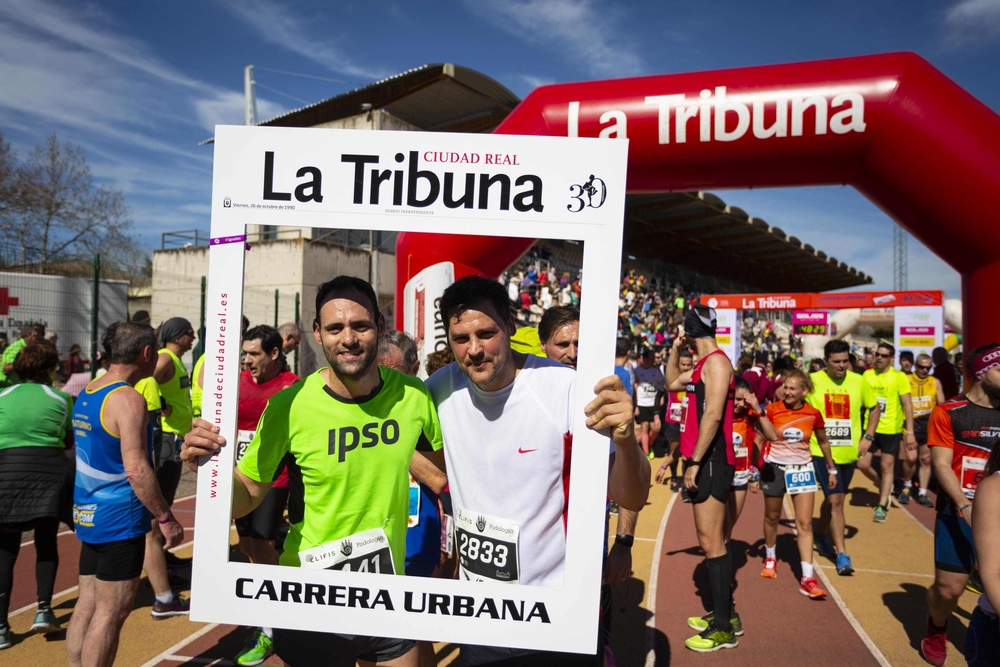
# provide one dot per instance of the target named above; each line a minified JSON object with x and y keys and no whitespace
{"x":505,"y":452}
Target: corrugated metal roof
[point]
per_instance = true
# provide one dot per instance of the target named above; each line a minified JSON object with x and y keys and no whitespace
{"x":699,"y":231}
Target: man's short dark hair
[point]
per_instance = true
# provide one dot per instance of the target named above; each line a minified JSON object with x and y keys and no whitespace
{"x":268,"y":336}
{"x":555,"y":317}
{"x":939,"y":355}
{"x":835,"y":346}
{"x":685,"y":354}
{"x":401,"y":341}
{"x":761,"y":357}
{"x":891,"y":348}
{"x":39,"y":330}
{"x":124,"y":341}
{"x":621,"y":348}
{"x":344,"y":286}
{"x":907,"y":355}
{"x":471,"y":291}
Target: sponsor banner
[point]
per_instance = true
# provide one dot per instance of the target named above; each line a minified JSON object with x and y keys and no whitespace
{"x":727,"y":332}
{"x":919,"y":329}
{"x":824,"y":300}
{"x":523,"y":187}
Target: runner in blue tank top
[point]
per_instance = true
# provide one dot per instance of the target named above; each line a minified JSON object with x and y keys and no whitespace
{"x":115,"y":494}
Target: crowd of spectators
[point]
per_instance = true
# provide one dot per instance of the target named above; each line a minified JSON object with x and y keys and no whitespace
{"x":535,"y":285}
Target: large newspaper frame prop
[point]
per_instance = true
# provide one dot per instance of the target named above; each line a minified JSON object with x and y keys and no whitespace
{"x":310,"y":178}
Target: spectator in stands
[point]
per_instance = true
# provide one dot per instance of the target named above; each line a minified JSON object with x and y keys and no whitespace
{"x":906,"y":362}
{"x":75,"y":363}
{"x":945,"y":373}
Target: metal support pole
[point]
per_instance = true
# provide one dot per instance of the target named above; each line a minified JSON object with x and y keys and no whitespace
{"x":301,"y":342}
{"x":95,"y":306}
{"x":200,"y":347}
{"x":275,"y":309}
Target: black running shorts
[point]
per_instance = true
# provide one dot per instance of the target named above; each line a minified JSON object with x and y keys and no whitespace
{"x":299,"y":648}
{"x":887,"y":444}
{"x":263,"y":523}
{"x":715,"y":479}
{"x":113,"y":561}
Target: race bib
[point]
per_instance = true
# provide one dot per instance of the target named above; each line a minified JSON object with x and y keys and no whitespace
{"x":972,"y":474}
{"x":921,"y":405}
{"x":676,"y":412}
{"x":684,"y":409}
{"x":362,"y":552}
{"x":414,"y":518}
{"x":838,"y":431}
{"x":800,"y":479}
{"x":646,"y":396}
{"x":883,"y":403}
{"x":742,"y":466}
{"x":487,"y":547}
{"x":243,"y":440}
{"x":447,"y":534}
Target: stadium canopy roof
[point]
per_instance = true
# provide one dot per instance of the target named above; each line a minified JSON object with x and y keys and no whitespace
{"x":699,"y":231}
{"x":694,"y":230}
{"x":436,"y":98}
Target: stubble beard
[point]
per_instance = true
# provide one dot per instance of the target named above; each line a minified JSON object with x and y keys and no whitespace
{"x":354,"y":370}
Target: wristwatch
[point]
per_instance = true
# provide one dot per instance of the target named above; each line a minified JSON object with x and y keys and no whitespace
{"x":625,"y":540}
{"x":869,"y":437}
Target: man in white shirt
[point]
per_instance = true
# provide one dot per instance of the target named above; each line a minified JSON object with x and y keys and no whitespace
{"x":507,"y":422}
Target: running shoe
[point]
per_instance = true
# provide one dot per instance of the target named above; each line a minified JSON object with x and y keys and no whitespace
{"x":770,"y":570}
{"x":881,"y":515}
{"x":45,"y":621}
{"x":650,"y":456}
{"x":685,"y":494}
{"x":844,"y":566}
{"x":974,"y":585}
{"x":179,"y":607}
{"x":904,"y":496}
{"x":924,"y":501}
{"x":824,"y":547}
{"x":711,"y":640}
{"x":258,"y":648}
{"x":701,"y":623}
{"x":810,"y":588}
{"x":6,"y":641}
{"x":675,"y":484}
{"x":934,"y":645}
{"x":614,"y":508}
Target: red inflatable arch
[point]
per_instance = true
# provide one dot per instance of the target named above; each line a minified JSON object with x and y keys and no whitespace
{"x":920,"y":147}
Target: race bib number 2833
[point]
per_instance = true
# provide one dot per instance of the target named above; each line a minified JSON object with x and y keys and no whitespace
{"x":487,"y":547}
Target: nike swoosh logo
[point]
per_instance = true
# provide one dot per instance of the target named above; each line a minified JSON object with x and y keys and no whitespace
{"x":525,"y":451}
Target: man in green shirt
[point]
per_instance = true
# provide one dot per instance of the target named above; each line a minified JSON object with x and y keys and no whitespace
{"x":177,"y":337}
{"x":349,"y":431}
{"x":30,"y":333}
{"x":842,"y":397}
{"x":891,"y":389}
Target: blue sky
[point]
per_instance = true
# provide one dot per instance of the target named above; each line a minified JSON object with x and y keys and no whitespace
{"x":139,"y":84}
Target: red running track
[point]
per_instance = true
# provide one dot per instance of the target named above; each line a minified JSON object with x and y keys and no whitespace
{"x":771,"y":610}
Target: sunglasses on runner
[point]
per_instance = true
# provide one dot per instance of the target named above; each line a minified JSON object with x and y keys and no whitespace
{"x":923,"y":368}
{"x":883,"y":356}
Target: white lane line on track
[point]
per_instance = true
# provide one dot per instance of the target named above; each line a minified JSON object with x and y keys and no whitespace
{"x":651,"y":583}
{"x":70,"y":532}
{"x":889,"y":572}
{"x":77,"y":587}
{"x":789,"y":512}
{"x":199,"y":661}
{"x":895,"y":503}
{"x":171,"y":652}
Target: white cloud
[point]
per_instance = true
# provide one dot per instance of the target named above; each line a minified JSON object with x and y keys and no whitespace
{"x":536,"y":81}
{"x":276,"y":23}
{"x":973,"y":21}
{"x":583,"y":31}
{"x":225,"y":107}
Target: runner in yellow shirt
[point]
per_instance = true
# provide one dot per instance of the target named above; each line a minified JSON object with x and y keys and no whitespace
{"x":925,"y":393}
{"x":892,"y":391}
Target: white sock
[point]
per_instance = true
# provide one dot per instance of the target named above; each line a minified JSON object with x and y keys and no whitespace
{"x":165,"y":598}
{"x":269,"y":632}
{"x":908,"y":484}
{"x":771,"y":551}
{"x":807,"y":570}
{"x":922,"y":492}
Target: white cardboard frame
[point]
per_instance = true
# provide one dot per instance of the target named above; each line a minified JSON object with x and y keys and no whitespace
{"x":563,"y":165}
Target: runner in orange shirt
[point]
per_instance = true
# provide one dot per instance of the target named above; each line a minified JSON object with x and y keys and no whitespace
{"x":788,"y":468}
{"x":750,"y":429}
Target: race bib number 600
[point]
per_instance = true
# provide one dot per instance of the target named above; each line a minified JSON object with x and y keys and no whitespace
{"x":487,"y":547}
{"x":800,"y":479}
